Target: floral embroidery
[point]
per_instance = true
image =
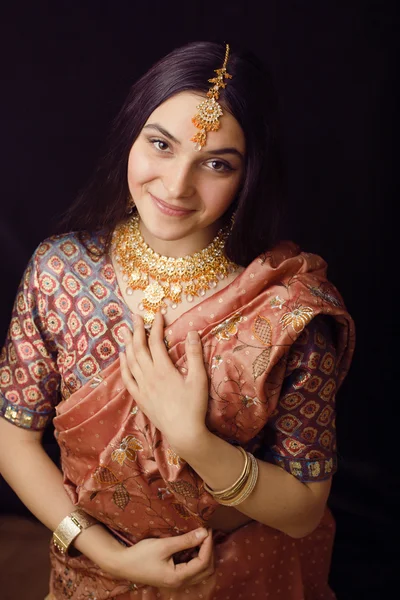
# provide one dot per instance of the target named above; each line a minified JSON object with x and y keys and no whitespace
{"x":262,"y":331}
{"x":162,"y":492}
{"x":216,"y":361}
{"x":313,"y":360}
{"x":277,"y":302}
{"x":310,"y":409}
{"x":248,"y":401}
{"x":310,"y":434}
{"x":227,"y":329}
{"x":292,"y":400}
{"x":314,"y":469}
{"x":327,"y":293}
{"x":121,"y":496}
{"x":293,"y":446}
{"x":298,"y":318}
{"x":327,"y":363}
{"x":127,"y":450}
{"x":172,"y":458}
{"x":328,"y":390}
{"x":326,"y":439}
{"x":313,"y":384}
{"x":288,"y":424}
{"x":183,"y":488}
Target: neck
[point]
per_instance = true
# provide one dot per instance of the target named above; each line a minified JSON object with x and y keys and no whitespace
{"x":186,"y":246}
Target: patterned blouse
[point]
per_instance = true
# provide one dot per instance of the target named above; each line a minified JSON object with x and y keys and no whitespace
{"x":66,"y":327}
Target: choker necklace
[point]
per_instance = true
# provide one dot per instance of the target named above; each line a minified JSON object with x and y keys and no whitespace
{"x":165,"y":280}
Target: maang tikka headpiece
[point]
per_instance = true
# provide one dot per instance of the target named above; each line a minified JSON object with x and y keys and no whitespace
{"x":209,"y":111}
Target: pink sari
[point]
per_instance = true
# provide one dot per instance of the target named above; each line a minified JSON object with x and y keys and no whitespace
{"x":121,"y":470}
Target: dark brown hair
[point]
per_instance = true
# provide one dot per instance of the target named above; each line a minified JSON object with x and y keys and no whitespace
{"x":249,"y":97}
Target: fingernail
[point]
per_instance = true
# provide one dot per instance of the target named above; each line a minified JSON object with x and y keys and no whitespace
{"x":193,"y":337}
{"x":201,"y":533}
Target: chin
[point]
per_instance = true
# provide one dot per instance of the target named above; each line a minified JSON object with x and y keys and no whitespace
{"x":168,"y":232}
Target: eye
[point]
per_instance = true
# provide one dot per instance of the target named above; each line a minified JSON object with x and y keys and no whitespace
{"x":219,"y":166}
{"x":159,"y":144}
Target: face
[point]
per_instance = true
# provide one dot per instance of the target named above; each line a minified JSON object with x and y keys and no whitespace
{"x":180,"y":193}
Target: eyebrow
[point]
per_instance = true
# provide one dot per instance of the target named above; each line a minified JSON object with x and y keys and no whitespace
{"x":217,"y":152}
{"x":162,"y":131}
{"x":222,"y":151}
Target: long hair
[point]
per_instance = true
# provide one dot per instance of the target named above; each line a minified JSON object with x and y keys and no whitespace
{"x":248,"y":96}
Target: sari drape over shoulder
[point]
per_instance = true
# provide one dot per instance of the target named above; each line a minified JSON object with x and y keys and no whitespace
{"x":119,"y":468}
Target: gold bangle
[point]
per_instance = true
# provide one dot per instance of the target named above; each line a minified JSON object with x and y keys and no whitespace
{"x":238,"y":487}
{"x":238,"y":483}
{"x":70,"y":527}
{"x":247,"y":489}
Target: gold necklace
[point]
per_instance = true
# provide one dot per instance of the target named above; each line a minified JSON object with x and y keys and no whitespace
{"x":164,"y":280}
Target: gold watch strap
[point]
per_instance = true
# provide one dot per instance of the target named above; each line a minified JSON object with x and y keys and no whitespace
{"x":70,"y":527}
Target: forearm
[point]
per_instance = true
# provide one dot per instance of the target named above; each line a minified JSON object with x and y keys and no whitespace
{"x":39,"y":484}
{"x":279,"y":500}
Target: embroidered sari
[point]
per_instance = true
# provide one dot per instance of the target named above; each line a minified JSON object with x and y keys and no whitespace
{"x":121,"y":470}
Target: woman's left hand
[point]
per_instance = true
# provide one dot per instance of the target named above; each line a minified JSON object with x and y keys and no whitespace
{"x":176,"y":405}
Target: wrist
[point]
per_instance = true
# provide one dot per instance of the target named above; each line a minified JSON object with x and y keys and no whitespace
{"x":192,"y":444}
{"x":99,"y":546}
{"x":112,"y":562}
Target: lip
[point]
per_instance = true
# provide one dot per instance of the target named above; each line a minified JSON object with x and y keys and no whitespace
{"x":168,"y":209}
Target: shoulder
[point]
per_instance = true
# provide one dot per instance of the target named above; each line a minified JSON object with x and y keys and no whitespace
{"x":303,"y":275}
{"x":75,"y":256}
{"x":59,"y":251}
{"x":287,"y":254}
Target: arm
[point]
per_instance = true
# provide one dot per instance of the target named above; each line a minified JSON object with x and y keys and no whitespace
{"x":178,"y":406}
{"x":39,"y":484}
{"x":33,"y":475}
{"x":279,"y":500}
{"x":291,"y":504}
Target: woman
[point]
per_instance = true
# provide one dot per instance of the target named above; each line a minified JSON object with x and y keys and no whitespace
{"x":198,"y":449}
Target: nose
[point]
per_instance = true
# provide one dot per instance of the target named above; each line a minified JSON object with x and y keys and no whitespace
{"x":178,"y":179}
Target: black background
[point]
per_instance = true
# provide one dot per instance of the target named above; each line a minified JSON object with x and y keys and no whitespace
{"x":66,"y":68}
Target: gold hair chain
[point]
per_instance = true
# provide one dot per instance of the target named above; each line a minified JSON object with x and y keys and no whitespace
{"x":209,"y":111}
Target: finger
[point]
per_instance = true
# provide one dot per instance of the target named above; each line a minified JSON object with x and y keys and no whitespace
{"x":206,"y":554}
{"x":127,"y":378}
{"x":130,"y":353}
{"x":206,"y":549}
{"x":200,"y":567}
{"x":195,"y":361}
{"x":201,"y":577}
{"x":156,"y":342}
{"x":184,"y":542}
{"x":140,"y":347}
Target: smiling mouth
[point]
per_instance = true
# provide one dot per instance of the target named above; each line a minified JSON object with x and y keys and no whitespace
{"x":165,"y":207}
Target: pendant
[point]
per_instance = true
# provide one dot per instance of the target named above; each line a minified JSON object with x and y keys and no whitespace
{"x":154,"y":293}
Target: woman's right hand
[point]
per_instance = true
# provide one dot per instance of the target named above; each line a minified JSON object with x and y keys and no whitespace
{"x":150,"y":561}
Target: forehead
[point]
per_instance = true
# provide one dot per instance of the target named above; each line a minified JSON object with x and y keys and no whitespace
{"x":175,"y":115}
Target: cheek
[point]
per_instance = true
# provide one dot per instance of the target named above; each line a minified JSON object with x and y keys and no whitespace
{"x":140,"y":169}
{"x":218,"y":195}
